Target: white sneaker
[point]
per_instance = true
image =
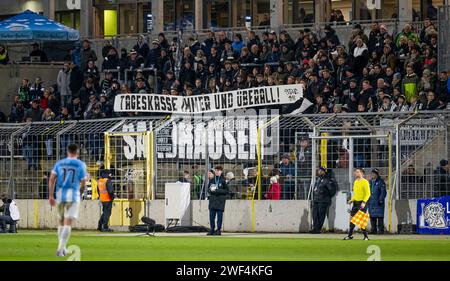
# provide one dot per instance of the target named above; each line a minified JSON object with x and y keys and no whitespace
{"x":61,"y":253}
{"x":366,"y":238}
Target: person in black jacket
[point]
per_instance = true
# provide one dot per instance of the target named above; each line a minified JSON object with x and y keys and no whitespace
{"x":217,"y":196}
{"x":76,"y":79}
{"x":324,"y":190}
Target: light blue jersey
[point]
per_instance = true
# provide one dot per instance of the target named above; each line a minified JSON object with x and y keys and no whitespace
{"x":69,"y":172}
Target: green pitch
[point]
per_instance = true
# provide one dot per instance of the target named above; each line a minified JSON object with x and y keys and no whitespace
{"x":40,"y":245}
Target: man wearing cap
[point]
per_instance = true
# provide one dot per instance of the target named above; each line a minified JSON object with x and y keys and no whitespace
{"x":401,"y":105}
{"x":387,"y":104}
{"x":324,"y":190}
{"x":154,"y":54}
{"x":288,"y":176}
{"x":217,"y":196}
{"x":376,"y":202}
{"x":35,"y":112}
{"x":135,"y":61}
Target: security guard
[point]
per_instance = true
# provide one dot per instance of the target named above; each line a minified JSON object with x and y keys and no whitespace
{"x":361,"y":195}
{"x":106,"y":191}
{"x":324,"y":190}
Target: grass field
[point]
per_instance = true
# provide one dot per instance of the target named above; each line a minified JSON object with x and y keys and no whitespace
{"x":40,"y":245}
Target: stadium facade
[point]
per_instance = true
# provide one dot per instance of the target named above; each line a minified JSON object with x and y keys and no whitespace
{"x":97,"y":18}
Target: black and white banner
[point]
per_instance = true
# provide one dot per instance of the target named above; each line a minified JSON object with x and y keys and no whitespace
{"x":230,"y":138}
{"x":254,"y":97}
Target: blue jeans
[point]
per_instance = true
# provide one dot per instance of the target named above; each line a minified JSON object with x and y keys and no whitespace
{"x":4,"y":220}
{"x":359,"y":160}
{"x":30,"y":154}
{"x":65,"y":141}
{"x":49,"y":147}
{"x":96,"y":145}
{"x":212,"y":219}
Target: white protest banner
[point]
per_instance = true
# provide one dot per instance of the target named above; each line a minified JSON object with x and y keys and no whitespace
{"x":254,"y":97}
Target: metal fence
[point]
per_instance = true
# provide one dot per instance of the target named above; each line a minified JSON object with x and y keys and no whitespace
{"x":147,"y":152}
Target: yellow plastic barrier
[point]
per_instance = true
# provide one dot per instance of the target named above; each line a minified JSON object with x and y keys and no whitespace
{"x":127,"y":212}
{"x":116,"y":214}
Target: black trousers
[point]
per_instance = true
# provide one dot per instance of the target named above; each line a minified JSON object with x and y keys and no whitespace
{"x":320,"y":211}
{"x":4,"y":220}
{"x":377,"y":225}
{"x":355,"y":208}
{"x":288,"y":190}
{"x":106,"y":214}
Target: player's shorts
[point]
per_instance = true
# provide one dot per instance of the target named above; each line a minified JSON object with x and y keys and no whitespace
{"x":68,"y":210}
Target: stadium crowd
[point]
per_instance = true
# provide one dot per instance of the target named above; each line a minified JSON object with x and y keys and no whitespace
{"x":376,"y":73}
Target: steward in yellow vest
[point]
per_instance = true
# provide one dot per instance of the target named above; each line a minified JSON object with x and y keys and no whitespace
{"x":106,"y":191}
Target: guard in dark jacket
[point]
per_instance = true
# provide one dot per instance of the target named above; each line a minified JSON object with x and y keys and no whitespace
{"x":217,"y":196}
{"x":377,"y":202}
{"x":324,"y":190}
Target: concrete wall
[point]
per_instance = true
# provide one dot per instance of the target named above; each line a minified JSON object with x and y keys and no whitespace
{"x":38,"y":214}
{"x":11,"y":77}
{"x":270,"y":216}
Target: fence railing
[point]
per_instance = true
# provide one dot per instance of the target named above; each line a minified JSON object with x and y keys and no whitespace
{"x":407,"y":148}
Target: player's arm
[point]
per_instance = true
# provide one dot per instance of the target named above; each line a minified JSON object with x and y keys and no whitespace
{"x":51,"y":188}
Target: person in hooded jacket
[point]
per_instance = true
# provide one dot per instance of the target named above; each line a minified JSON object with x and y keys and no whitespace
{"x":376,"y":204}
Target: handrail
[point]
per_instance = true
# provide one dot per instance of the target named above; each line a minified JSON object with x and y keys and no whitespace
{"x":262,"y":28}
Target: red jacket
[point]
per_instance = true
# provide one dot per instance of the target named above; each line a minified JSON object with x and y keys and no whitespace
{"x":44,"y":103}
{"x":274,"y":192}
